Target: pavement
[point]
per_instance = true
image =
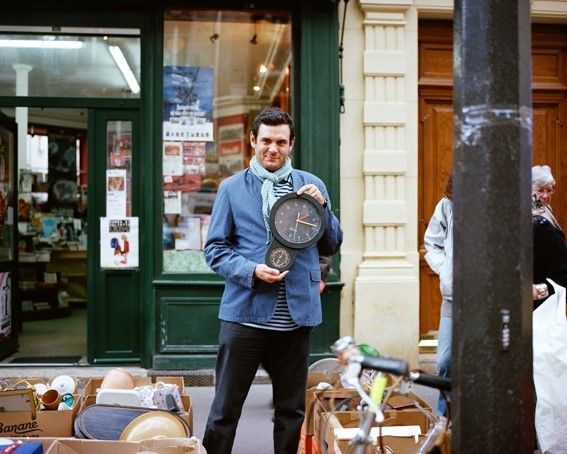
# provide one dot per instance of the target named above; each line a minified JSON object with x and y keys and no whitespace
{"x":254,"y":433}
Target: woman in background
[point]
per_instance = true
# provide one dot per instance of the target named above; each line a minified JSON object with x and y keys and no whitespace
{"x":550,"y":250}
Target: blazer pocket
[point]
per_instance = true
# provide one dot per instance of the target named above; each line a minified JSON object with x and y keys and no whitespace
{"x":316,"y":275}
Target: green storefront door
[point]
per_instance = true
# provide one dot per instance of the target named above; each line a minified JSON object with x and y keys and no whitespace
{"x":115,"y":299}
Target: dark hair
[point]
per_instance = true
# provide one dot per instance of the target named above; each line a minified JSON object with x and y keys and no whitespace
{"x":449,"y":188}
{"x":273,"y":116}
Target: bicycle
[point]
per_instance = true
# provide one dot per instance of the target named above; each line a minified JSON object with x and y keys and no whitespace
{"x":437,"y":437}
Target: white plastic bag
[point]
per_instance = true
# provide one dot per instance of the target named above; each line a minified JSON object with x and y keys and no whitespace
{"x":550,"y":372}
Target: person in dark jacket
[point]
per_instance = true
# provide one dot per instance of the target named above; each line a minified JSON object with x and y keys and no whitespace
{"x":266,"y":315}
{"x":550,"y":250}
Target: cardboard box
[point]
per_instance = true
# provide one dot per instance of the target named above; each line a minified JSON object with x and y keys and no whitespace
{"x":35,"y":381}
{"x":45,"y":441}
{"x":336,"y":400}
{"x":347,"y":400}
{"x":89,"y":393}
{"x":161,"y":446}
{"x":336,"y":440}
{"x":48,"y":423}
{"x":93,"y":384}
{"x":186,"y":399}
{"x":313,"y":380}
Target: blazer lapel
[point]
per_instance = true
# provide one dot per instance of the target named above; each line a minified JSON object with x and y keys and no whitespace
{"x":255,"y":189}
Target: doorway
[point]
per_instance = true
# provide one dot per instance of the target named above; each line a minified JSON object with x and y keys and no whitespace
{"x":50,"y":304}
{"x":51,"y":270}
{"x":549,"y":104}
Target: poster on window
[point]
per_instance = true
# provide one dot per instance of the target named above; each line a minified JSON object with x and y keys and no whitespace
{"x":194,"y":158}
{"x":5,"y":306}
{"x":120,"y":148}
{"x":172,"y":202}
{"x":119,"y":247}
{"x":172,"y":158}
{"x":188,"y":103}
{"x":116,"y":194}
{"x":231,"y":148}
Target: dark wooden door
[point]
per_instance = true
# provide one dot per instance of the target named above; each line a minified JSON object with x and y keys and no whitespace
{"x":114,"y":289}
{"x":549,"y":82}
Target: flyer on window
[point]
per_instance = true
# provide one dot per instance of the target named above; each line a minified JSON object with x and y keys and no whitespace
{"x":172,"y":202}
{"x":188,"y":103}
{"x":119,"y":242}
{"x":116,"y":193}
{"x":172,"y":158}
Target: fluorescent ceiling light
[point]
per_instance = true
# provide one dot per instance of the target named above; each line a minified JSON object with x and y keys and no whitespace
{"x":118,"y":56}
{"x":41,"y":44}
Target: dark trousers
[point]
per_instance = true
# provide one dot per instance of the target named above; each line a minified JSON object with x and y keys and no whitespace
{"x":285,"y":356}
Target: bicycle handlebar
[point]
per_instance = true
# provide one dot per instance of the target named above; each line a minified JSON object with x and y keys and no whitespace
{"x":389,"y":365}
{"x":346,"y":351}
{"x":433,"y":381}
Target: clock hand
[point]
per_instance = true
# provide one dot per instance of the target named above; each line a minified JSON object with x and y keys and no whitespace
{"x":307,"y":223}
{"x":303,"y":217}
{"x":296,"y":223}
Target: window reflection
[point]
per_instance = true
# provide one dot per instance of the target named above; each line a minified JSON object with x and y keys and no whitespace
{"x":60,"y":65}
{"x":221,"y":68}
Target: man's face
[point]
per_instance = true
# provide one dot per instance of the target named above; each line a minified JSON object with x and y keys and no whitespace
{"x":272,"y":146}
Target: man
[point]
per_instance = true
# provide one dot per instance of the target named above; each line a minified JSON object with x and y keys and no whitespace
{"x":266,"y":315}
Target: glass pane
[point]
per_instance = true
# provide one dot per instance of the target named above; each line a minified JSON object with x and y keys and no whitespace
{"x":58,"y":65}
{"x":7,"y":205}
{"x":118,"y":165}
{"x":221,"y":68}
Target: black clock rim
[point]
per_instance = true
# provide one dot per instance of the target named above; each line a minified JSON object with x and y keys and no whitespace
{"x":318,"y":207}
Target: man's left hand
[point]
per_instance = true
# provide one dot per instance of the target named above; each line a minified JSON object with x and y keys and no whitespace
{"x":313,"y":191}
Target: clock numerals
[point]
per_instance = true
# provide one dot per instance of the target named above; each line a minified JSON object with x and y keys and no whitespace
{"x":296,"y":222}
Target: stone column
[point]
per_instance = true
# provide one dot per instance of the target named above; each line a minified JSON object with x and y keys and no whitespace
{"x":386,"y":290}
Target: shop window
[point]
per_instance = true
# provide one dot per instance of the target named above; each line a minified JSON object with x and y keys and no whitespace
{"x":76,"y":63}
{"x":221,"y":68}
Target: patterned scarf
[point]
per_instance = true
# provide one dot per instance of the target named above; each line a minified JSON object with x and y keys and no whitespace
{"x":269,"y":180}
{"x":539,"y":210}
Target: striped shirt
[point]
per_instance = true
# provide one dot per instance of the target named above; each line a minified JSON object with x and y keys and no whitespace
{"x":281,"y":320}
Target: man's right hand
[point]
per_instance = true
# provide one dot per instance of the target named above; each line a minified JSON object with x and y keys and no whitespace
{"x":267,"y":274}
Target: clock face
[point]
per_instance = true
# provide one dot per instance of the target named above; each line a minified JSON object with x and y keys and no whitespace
{"x":279,"y":258}
{"x":297,"y":221}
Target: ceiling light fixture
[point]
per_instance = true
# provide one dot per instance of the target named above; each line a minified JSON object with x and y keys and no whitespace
{"x":124,"y":67}
{"x":214,"y":37}
{"x":254,"y":40}
{"x":263,"y":69}
{"x":41,"y":44}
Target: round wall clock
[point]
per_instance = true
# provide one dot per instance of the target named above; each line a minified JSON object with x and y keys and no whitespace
{"x":296,"y":222}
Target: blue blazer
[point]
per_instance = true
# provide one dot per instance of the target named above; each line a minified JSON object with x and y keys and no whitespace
{"x":237,"y":242}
